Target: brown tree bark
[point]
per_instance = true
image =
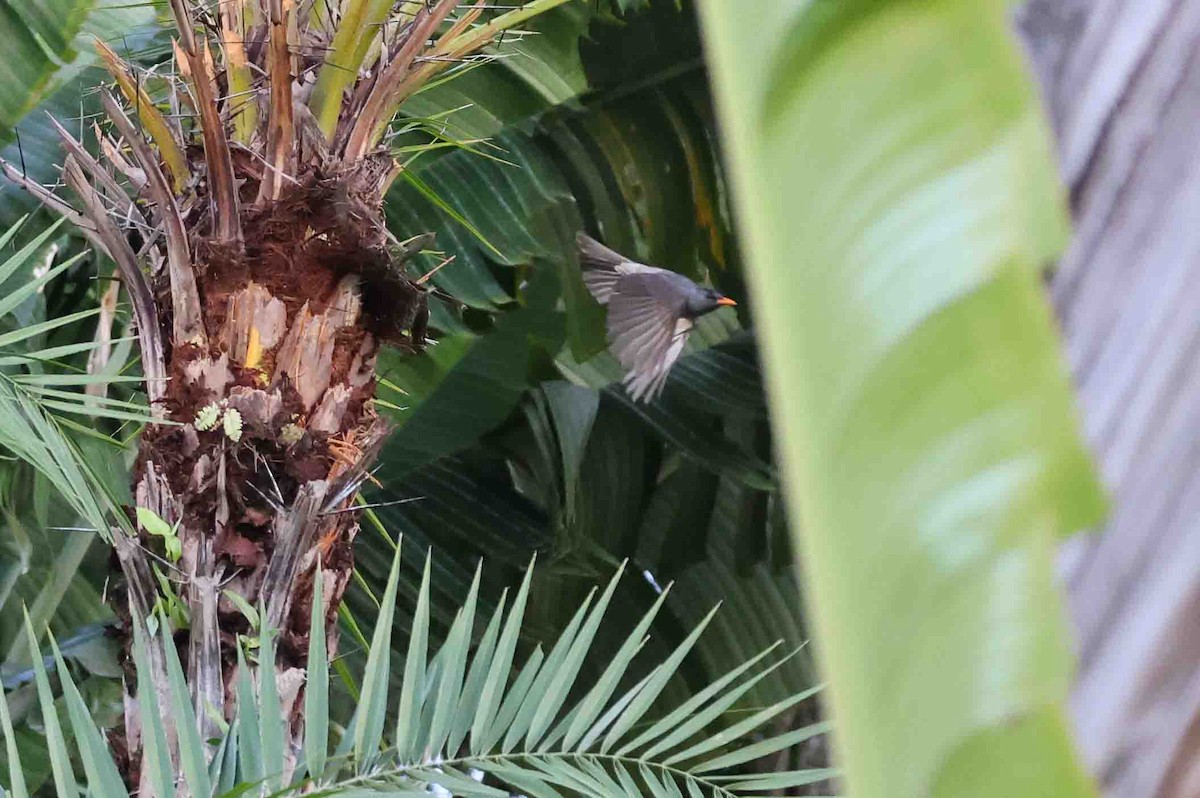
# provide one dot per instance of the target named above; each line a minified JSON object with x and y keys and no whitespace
{"x":265,"y":492}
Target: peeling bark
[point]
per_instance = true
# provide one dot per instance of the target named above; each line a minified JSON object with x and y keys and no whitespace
{"x":288,"y":346}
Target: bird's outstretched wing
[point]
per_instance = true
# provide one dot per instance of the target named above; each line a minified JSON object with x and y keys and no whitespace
{"x":646,"y":332}
{"x":603,"y":267}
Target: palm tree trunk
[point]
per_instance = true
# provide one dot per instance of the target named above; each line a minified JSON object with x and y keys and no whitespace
{"x":262,"y":282}
{"x":275,"y":428}
{"x":266,"y":492}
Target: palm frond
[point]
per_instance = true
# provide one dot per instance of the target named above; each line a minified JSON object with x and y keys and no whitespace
{"x":540,"y":733}
{"x":35,"y":404}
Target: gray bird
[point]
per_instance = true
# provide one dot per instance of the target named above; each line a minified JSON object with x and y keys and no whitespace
{"x":650,"y":313}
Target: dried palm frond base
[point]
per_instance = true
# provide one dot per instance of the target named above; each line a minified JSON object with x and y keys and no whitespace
{"x":248,"y":232}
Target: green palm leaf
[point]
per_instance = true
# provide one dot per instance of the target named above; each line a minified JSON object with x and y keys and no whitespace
{"x":512,"y":752}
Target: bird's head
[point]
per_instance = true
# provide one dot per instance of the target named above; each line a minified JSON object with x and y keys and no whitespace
{"x":706,"y":300}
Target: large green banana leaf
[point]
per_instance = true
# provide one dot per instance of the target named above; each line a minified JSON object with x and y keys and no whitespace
{"x":894,"y":184}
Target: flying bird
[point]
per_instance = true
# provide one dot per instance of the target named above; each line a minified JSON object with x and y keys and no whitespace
{"x":651,"y":311}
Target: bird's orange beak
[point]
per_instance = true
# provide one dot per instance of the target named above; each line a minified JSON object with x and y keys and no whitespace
{"x":726,"y":301}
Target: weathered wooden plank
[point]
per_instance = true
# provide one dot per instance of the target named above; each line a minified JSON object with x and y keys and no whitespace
{"x":1122,"y":82}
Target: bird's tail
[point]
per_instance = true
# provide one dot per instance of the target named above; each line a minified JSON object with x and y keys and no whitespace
{"x":599,"y":265}
{"x":594,"y":255}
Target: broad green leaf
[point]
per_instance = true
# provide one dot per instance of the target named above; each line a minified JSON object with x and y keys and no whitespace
{"x":698,"y":440}
{"x":573,"y":410}
{"x":1023,"y":757}
{"x":615,"y":475}
{"x":895,"y":219}
{"x":408,"y":378}
{"x":475,"y":396}
{"x":703,"y":386}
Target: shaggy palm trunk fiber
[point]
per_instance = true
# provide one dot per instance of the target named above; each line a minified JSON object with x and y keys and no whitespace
{"x":242,"y":205}
{"x":276,"y":428}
